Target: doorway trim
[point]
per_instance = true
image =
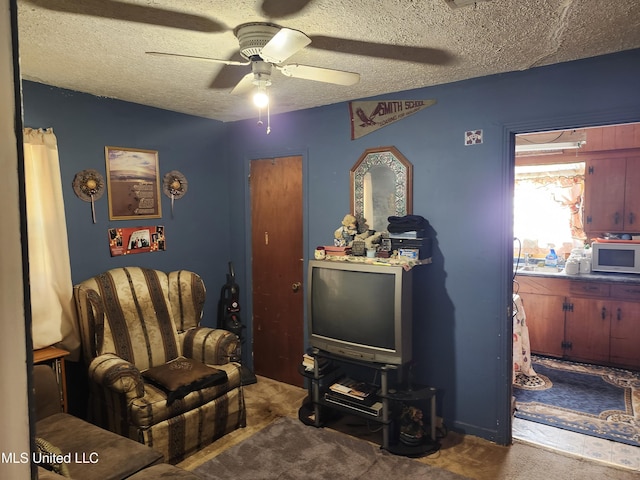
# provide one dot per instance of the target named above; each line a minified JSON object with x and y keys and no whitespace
{"x":509,"y":132}
{"x":247,"y":352}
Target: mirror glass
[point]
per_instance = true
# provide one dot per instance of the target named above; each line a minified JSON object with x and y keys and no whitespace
{"x":381,"y":186}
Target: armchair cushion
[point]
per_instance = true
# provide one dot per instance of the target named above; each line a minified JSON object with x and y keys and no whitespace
{"x":183,"y":375}
{"x":153,"y":407}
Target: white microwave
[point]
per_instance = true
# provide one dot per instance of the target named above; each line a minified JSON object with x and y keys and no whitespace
{"x":615,"y":257}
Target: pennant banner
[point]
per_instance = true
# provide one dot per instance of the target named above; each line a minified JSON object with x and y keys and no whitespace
{"x":369,"y":116}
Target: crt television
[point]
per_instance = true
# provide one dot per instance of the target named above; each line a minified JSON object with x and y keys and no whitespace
{"x":360,"y":311}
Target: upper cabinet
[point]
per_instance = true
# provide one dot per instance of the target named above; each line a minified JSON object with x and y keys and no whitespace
{"x":612,"y":195}
{"x":617,"y":137}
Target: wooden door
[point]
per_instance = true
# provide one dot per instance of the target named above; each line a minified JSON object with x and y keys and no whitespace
{"x":632,"y":195}
{"x":277,"y":267}
{"x":604,"y":195}
{"x":545,"y":319}
{"x":588,"y":324}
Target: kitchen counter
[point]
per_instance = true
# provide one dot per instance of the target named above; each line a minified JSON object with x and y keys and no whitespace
{"x":592,"y":317}
{"x":629,"y":278}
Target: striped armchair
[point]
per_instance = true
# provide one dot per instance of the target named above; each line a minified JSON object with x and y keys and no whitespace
{"x":132,"y":319}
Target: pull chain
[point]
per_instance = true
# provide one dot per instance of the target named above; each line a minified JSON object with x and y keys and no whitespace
{"x":268,"y":118}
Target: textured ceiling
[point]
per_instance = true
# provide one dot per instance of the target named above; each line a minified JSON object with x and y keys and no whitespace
{"x":98,"y":46}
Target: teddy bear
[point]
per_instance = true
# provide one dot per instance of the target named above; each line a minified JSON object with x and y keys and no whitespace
{"x":344,"y":235}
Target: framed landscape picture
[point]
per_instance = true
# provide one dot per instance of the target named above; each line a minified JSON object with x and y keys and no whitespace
{"x":133,"y":183}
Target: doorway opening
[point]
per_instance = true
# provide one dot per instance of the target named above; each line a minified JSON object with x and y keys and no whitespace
{"x":553,"y":207}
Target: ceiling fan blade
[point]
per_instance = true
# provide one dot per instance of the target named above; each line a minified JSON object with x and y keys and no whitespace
{"x":193,"y":57}
{"x":245,"y":85}
{"x":319,"y":74}
{"x":283,"y":8}
{"x":124,"y":11}
{"x":431,"y":56}
{"x":283,"y":45}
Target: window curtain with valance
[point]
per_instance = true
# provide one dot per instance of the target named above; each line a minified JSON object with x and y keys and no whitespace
{"x":53,"y":313}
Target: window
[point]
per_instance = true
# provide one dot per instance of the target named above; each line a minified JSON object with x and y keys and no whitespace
{"x":548,"y":201}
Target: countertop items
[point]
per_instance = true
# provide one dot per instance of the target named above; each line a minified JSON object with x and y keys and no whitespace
{"x":631,"y":278}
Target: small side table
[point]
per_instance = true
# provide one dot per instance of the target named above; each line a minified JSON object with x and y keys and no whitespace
{"x":55,"y":357}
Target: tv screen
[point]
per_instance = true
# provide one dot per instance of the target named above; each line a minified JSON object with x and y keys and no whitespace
{"x":360,"y":310}
{"x":354,"y":306}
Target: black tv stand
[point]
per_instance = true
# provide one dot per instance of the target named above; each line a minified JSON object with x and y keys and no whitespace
{"x":318,"y":410}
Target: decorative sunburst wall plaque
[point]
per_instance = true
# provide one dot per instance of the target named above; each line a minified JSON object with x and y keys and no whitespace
{"x":88,"y":185}
{"x":174,"y":186}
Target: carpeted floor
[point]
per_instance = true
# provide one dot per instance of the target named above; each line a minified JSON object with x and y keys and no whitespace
{"x":465,"y":455}
{"x":588,"y":399}
{"x":287,"y":449}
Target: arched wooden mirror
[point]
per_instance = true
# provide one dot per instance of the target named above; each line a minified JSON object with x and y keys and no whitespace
{"x":381,"y":186}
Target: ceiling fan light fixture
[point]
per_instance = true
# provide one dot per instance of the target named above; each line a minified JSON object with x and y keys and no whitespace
{"x":261,"y":97}
{"x":260,"y":93}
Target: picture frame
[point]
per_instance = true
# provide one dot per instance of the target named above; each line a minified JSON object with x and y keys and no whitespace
{"x":130,"y":240}
{"x":133,"y":183}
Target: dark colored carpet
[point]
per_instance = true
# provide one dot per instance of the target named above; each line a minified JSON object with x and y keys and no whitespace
{"x":589,"y":399}
{"x":288,"y":449}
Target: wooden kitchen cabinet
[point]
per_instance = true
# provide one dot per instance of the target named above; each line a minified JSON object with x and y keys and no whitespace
{"x":543,"y":300}
{"x":546,"y":323}
{"x":625,"y":326}
{"x":581,"y":320}
{"x":587,"y":321}
{"x":612,"y":196}
{"x":601,"y":325}
{"x":588,"y":328}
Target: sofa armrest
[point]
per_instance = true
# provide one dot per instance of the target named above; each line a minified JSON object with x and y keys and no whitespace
{"x":117,"y":374}
{"x":212,"y":346}
{"x":44,"y":474}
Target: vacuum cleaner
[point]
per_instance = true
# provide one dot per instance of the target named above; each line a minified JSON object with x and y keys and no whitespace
{"x":229,"y":319}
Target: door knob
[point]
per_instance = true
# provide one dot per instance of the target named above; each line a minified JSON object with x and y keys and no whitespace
{"x":296,"y":286}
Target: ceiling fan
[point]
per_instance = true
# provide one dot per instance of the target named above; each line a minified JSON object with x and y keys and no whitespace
{"x":266,"y":46}
{"x":122,"y":10}
{"x":259,"y":43}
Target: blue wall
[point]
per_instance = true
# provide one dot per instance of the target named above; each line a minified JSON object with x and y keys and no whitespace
{"x":462,"y":337}
{"x":197,"y":236}
{"x":462,"y":333}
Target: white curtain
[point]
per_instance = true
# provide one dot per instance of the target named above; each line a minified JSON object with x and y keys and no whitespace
{"x":53,"y":312}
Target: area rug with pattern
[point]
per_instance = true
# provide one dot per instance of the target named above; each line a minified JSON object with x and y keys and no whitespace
{"x":288,"y":449}
{"x":593,"y":400}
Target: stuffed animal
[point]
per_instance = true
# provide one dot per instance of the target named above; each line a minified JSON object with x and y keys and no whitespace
{"x":343,"y":236}
{"x":411,"y":426}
